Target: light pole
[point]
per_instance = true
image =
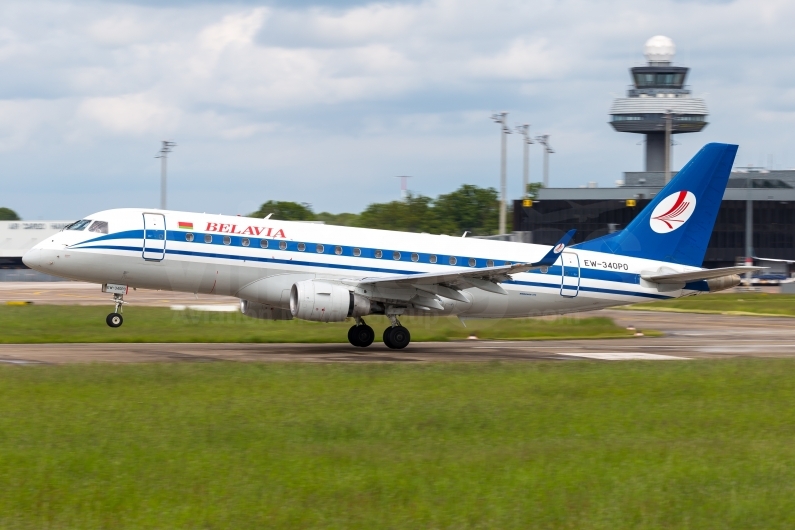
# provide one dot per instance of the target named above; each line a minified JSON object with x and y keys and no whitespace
{"x":749,"y":225}
{"x":502,"y":119}
{"x":544,"y":140}
{"x":667,"y":168}
{"x":524,"y":130}
{"x":163,"y":156}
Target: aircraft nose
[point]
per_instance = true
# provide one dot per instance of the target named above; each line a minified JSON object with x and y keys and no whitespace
{"x":32,"y":258}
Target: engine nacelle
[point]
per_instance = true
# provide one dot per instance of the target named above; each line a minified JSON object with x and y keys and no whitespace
{"x":326,"y":302}
{"x":723,"y":283}
{"x":264,"y":312}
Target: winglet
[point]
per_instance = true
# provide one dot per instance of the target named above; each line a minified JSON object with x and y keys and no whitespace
{"x":552,"y":255}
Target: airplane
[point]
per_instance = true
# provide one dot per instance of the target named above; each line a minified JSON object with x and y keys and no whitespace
{"x":282,"y":270}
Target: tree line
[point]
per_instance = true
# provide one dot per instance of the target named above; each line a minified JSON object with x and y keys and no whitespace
{"x":469,"y":208}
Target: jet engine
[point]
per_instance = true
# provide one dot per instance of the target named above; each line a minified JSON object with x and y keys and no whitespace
{"x":326,"y":302}
{"x":723,"y":283}
{"x":264,"y":312}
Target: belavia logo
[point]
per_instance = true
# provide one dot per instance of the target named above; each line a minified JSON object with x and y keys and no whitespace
{"x":559,"y":248}
{"x":247,"y":231}
{"x":672,"y":212}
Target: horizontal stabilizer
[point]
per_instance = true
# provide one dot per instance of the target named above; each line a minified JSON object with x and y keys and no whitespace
{"x":706,"y":274}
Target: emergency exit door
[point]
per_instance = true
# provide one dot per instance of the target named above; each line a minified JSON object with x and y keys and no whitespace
{"x":154,"y":237}
{"x":569,"y":274}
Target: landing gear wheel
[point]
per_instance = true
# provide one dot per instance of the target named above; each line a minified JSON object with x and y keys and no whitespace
{"x":397,"y":337}
{"x":114,"y":320}
{"x":387,"y":335}
{"x":361,"y":336}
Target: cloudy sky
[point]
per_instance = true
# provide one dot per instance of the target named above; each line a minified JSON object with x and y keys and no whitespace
{"x":326,"y":102}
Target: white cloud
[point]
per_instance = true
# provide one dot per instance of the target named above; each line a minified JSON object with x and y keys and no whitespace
{"x":374,"y":89}
{"x":130,"y":114}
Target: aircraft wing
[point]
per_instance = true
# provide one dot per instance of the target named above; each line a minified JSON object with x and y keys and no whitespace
{"x":484,"y":278}
{"x":706,"y":274}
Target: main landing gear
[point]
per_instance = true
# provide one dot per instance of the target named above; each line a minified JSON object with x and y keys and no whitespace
{"x":115,"y":319}
{"x":361,"y":335}
{"x":395,"y":336}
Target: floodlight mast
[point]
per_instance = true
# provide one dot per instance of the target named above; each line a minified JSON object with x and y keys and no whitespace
{"x":544,"y":140}
{"x":502,"y":119}
{"x":524,"y":130}
{"x":163,"y":156}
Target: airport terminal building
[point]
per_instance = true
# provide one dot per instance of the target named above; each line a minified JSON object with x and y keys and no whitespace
{"x":595,"y":212}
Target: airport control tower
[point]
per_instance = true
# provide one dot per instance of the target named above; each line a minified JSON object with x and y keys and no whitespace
{"x":658,"y":104}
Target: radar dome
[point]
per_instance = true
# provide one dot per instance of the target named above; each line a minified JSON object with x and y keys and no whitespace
{"x":659,"y":49}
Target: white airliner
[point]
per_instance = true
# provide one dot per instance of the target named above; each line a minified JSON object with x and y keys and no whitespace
{"x":283,"y":270}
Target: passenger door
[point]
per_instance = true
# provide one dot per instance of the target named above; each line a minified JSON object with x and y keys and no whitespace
{"x":154,"y":237}
{"x":569,"y":274}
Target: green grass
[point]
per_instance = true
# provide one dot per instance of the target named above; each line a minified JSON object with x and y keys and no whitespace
{"x":727,"y":304}
{"x":43,"y":324}
{"x":570,"y":445}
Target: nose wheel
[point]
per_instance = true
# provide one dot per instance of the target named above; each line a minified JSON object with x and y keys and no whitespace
{"x":115,"y":319}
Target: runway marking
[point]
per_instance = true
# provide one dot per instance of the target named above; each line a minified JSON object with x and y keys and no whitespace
{"x":625,"y":356}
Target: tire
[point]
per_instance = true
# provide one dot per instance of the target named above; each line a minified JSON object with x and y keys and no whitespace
{"x":364,"y":335}
{"x":399,"y":338}
{"x":387,"y":337}
{"x":352,"y":338}
{"x":114,"y":320}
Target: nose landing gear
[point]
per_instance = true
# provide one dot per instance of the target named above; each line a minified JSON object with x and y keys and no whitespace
{"x":115,"y":319}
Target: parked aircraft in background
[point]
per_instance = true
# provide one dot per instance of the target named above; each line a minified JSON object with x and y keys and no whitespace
{"x":283,"y":270}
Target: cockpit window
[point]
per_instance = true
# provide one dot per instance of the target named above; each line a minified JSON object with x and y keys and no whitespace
{"x":100,"y":227}
{"x":79,"y":225}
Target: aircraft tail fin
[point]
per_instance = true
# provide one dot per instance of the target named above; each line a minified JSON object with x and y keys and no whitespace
{"x":676,"y":226}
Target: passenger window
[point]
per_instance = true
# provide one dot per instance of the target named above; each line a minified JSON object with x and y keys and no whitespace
{"x":396,"y":255}
{"x":338,"y":251}
{"x":472,"y":262}
{"x":453,"y":261}
{"x":357,"y":252}
{"x":320,"y":249}
{"x":432,"y":259}
{"x":227,"y":240}
{"x":301,"y":247}
{"x":101,"y":227}
{"x":490,"y":263}
{"x":378,"y":254}
{"x":283,"y":245}
{"x":208,"y":238}
{"x":79,"y":225}
{"x":189,"y":237}
{"x":415,"y":257}
{"x":245,"y":242}
{"x":263,"y":243}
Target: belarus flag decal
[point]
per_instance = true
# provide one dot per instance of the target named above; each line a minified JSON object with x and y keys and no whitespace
{"x":185,"y":226}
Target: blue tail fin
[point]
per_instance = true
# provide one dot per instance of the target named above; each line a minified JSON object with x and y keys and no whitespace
{"x":677,"y":224}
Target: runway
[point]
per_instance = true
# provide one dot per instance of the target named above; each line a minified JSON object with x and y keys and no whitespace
{"x":687,"y":336}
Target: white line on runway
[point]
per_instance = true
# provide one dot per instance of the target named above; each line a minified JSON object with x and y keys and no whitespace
{"x":625,"y":356}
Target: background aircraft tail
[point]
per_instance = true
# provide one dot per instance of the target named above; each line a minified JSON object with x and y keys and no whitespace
{"x":676,"y":226}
